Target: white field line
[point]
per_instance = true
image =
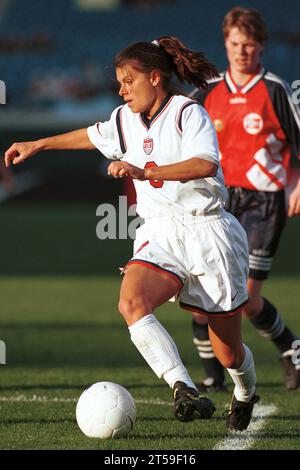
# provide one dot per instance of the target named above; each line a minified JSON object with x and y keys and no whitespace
{"x":44,"y":399}
{"x":242,"y":440}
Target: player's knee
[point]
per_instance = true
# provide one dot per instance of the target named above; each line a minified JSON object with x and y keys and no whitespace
{"x":232,"y":359}
{"x":130,"y":307}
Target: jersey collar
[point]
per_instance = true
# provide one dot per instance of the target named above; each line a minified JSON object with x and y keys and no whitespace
{"x":253,"y":79}
{"x":148,"y":122}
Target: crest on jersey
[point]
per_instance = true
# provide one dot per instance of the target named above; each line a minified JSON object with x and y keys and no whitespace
{"x":253,"y":123}
{"x":148,"y":145}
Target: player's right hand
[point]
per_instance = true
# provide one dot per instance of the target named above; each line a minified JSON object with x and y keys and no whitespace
{"x":19,"y":151}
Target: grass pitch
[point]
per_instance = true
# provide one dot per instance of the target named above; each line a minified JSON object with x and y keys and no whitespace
{"x":59,"y":291}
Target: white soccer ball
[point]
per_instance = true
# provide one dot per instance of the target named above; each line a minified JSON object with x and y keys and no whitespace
{"x":105,"y":410}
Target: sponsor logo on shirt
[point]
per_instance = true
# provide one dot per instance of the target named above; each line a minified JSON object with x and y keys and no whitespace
{"x":148,"y":145}
{"x":238,"y":100}
{"x":253,"y":123}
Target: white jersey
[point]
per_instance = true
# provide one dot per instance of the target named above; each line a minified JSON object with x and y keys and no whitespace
{"x":181,"y":129}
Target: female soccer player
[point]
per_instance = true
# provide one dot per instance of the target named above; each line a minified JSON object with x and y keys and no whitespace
{"x":189,"y":246}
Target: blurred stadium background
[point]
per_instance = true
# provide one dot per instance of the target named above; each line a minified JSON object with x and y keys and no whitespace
{"x":58,"y":282}
{"x":55,"y":60}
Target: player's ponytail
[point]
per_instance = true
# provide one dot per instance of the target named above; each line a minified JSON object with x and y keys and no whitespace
{"x":171,"y":57}
{"x":188,"y":65}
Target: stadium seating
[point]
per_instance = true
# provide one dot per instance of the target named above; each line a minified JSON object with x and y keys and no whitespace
{"x":57,"y":34}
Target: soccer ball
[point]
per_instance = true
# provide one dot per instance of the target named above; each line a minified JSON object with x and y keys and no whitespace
{"x":105,"y":410}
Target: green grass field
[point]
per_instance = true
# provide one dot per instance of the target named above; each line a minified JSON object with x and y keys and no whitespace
{"x":59,"y":290}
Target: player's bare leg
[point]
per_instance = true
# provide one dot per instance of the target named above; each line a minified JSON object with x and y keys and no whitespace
{"x":226,"y":340}
{"x":256,"y":302}
{"x":236,"y":357}
{"x":143,"y":290}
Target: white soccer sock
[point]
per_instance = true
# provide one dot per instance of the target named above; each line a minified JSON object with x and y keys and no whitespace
{"x":244,"y":378}
{"x":159,"y":350}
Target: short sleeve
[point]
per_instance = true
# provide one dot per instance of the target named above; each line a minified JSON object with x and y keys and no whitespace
{"x":103,"y":136}
{"x":198,"y":135}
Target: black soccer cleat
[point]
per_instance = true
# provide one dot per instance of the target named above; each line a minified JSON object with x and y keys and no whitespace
{"x":210,"y":384}
{"x":239,"y":415}
{"x":291,"y":371}
{"x":190,"y":405}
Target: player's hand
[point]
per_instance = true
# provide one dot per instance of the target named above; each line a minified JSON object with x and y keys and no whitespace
{"x":120,"y":169}
{"x":294,"y":202}
{"x":19,"y":151}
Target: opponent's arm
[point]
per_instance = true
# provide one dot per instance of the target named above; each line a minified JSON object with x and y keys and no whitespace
{"x":288,"y":113}
{"x":75,"y":140}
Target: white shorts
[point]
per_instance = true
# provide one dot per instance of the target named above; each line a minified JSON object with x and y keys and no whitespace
{"x":206,"y":255}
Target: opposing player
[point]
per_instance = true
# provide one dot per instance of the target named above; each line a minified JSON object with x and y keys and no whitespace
{"x":189,"y":246}
{"x":258,"y":126}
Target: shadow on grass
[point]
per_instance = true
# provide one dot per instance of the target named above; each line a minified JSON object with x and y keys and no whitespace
{"x":180,"y":436}
{"x":157,"y":418}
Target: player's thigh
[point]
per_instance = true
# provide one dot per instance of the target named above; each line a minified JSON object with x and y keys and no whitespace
{"x":146,"y":288}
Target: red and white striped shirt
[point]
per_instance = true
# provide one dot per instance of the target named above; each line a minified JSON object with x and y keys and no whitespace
{"x":258,"y":127}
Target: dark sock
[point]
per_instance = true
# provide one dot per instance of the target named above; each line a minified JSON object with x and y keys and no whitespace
{"x":270,"y":325}
{"x":212,"y":367}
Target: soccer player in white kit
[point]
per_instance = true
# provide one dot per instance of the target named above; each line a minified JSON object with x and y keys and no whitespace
{"x":189,"y":246}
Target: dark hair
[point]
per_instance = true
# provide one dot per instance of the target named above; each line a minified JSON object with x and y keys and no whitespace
{"x":171,"y":57}
{"x":249,"y":21}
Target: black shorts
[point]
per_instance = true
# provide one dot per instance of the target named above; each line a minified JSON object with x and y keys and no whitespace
{"x":263,"y":216}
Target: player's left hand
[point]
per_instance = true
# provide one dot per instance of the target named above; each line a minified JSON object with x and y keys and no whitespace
{"x":294,"y":202}
{"x":120,"y":169}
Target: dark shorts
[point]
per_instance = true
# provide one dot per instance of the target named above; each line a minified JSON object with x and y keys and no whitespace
{"x":263,"y":216}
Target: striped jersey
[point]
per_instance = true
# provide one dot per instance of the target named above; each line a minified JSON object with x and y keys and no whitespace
{"x":258,"y":127}
{"x":180,"y":129}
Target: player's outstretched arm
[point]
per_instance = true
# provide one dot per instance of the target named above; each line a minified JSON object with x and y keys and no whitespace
{"x":75,"y":140}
